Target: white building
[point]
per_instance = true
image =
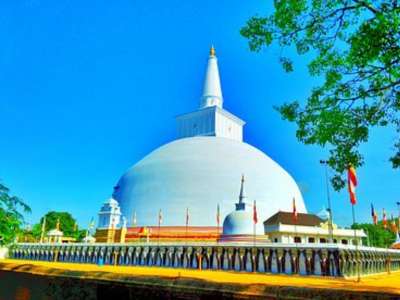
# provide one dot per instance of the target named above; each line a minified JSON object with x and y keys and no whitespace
{"x":309,"y":229}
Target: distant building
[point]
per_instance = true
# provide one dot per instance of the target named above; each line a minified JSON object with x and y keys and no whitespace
{"x":310,"y":229}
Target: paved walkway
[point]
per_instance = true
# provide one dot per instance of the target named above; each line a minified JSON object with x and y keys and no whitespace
{"x":389,"y":283}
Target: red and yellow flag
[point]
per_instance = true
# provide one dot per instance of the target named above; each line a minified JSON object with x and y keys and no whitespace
{"x":352,"y":183}
{"x":394,"y":227}
{"x":295,"y":216}
{"x":384,"y":223}
{"x":255,"y":219}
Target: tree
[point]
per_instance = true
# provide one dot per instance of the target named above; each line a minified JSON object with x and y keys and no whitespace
{"x":10,"y":217}
{"x":66,"y":225}
{"x":378,"y":236}
{"x":356,"y":44}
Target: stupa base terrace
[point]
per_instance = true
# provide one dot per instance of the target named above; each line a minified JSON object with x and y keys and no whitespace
{"x":291,"y":259}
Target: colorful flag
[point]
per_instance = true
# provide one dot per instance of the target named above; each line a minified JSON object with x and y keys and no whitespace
{"x":58,"y":224}
{"x":28,"y":227}
{"x":384,"y":223}
{"x":134,"y":220}
{"x":218,"y":214}
{"x":352,"y":183}
{"x":92,"y":224}
{"x":295,"y":216}
{"x":255,"y":219}
{"x":159,"y":218}
{"x":187,"y":216}
{"x":394,"y":228}
{"x":373,"y":214}
{"x":398,"y":228}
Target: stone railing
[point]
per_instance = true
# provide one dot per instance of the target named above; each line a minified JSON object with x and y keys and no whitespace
{"x":319,"y":260}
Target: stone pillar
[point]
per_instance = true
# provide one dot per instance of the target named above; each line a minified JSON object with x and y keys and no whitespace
{"x":115,"y":258}
{"x":55,"y":255}
{"x":199,"y":258}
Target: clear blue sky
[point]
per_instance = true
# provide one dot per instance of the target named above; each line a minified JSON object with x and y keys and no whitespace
{"x":88,"y":88}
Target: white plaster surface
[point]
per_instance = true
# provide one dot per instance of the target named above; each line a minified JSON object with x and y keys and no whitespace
{"x":199,"y":173}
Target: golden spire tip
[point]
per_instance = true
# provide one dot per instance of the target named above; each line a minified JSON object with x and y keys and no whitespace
{"x":212,"y":51}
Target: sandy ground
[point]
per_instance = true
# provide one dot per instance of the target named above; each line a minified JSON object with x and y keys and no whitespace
{"x":384,"y":282}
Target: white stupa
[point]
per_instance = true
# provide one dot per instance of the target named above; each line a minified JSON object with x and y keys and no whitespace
{"x":241,"y":220}
{"x":200,"y":169}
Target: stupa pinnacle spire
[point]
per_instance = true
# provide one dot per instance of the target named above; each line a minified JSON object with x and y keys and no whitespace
{"x":242,"y":197}
{"x":212,"y":94}
{"x":212,"y":51}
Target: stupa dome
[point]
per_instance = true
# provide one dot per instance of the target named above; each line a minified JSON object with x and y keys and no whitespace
{"x":199,"y":173}
{"x":239,"y":222}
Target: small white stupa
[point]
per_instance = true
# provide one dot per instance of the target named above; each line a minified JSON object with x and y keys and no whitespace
{"x":241,"y":220}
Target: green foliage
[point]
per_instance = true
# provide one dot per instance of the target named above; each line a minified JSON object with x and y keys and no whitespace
{"x":356,"y":49}
{"x":67,"y":223}
{"x":378,"y":236}
{"x":10,"y":217}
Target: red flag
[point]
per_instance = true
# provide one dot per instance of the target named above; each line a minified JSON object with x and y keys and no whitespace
{"x":295,"y":216}
{"x":394,"y":228}
{"x":187,"y":216}
{"x":398,"y":228}
{"x":159,"y":218}
{"x":384,"y":223}
{"x":352,"y":183}
{"x":255,"y":213}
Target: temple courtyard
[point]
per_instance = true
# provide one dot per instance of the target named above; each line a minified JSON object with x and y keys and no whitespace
{"x":24,"y":279}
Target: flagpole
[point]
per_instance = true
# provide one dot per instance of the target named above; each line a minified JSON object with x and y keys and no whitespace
{"x":254,"y":234}
{"x":186,"y":234}
{"x":255,"y":219}
{"x":218,"y":217}
{"x":356,"y":243}
{"x":217,"y":234}
{"x":187,"y":222}
{"x":159,"y":225}
{"x":43,"y":229}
